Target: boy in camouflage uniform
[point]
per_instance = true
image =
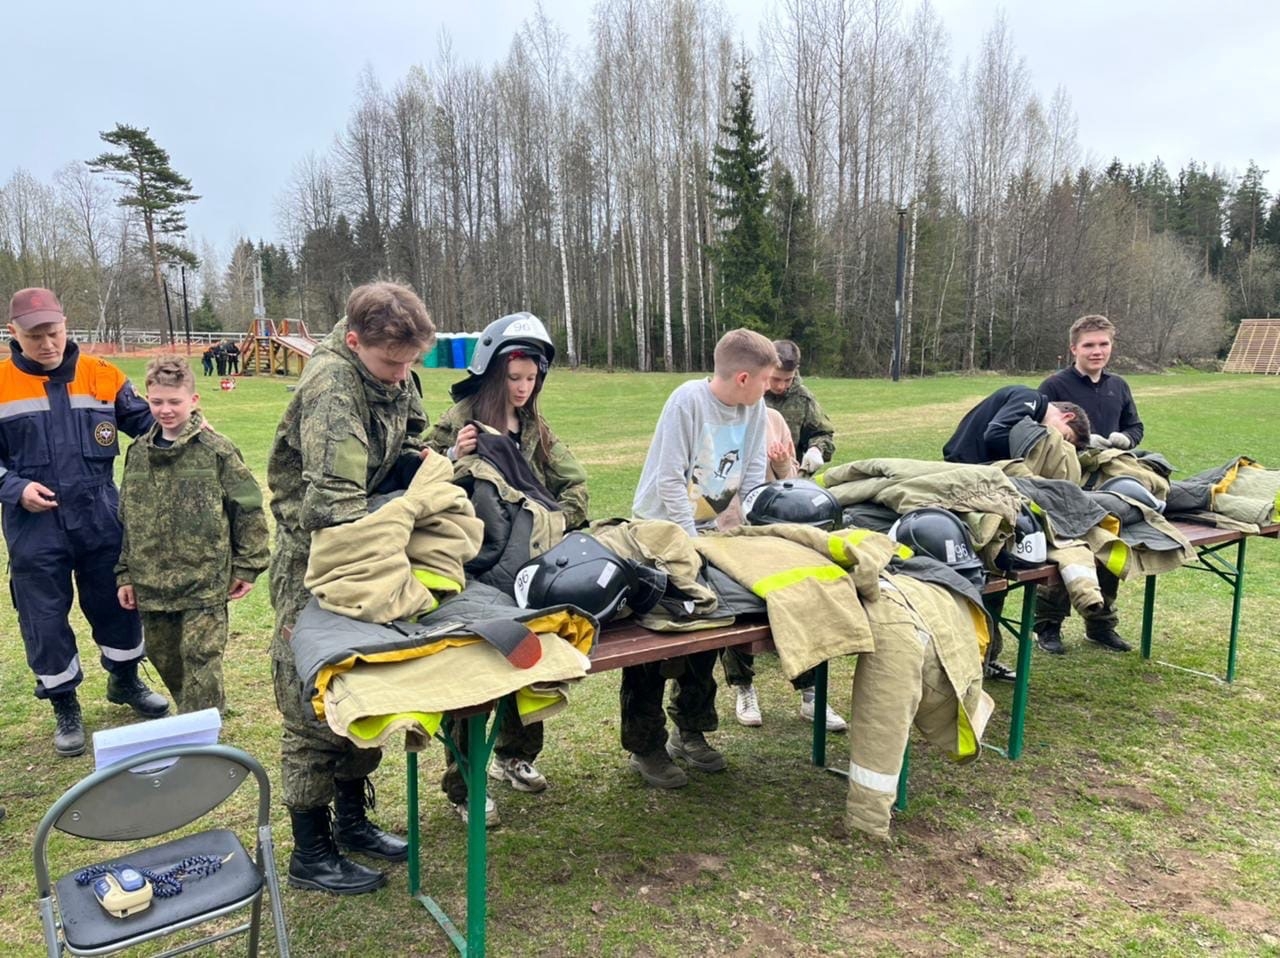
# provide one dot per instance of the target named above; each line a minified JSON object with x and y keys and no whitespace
{"x":195,"y":536}
{"x":351,"y":428}
{"x":811,"y":430}
{"x":815,"y":444}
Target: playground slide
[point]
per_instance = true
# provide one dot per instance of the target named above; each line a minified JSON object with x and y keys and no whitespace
{"x":301,"y":345}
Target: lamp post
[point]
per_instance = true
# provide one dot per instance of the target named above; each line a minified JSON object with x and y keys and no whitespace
{"x":164,"y":282}
{"x":896,"y":366}
{"x":186,"y":311}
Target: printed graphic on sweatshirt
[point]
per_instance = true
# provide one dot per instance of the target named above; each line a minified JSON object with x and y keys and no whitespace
{"x":718,"y":465}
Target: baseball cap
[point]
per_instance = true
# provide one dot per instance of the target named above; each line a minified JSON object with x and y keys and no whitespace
{"x":34,"y":307}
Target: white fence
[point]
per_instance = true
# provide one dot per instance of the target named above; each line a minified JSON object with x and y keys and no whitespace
{"x":152,"y":337}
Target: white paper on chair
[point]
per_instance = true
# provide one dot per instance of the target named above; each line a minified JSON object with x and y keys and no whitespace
{"x":114,"y":745}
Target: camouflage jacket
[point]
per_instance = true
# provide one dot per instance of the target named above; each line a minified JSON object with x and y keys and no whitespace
{"x":554,"y":464}
{"x":342,"y":435}
{"x":809,"y":425}
{"x":193,"y":520}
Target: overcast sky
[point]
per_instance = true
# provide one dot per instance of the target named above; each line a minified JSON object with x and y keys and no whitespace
{"x":238,"y":92}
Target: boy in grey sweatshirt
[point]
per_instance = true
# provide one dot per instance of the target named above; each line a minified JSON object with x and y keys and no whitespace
{"x":708,"y":446}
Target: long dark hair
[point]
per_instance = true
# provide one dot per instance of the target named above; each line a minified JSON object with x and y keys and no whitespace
{"x":490,"y":403}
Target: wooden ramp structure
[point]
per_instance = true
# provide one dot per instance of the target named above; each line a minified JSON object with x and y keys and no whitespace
{"x":1256,"y":348}
{"x":276,"y":348}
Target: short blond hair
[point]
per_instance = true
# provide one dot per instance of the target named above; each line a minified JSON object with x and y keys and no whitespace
{"x":170,"y":371}
{"x":743,"y":350}
{"x":1093,"y":323}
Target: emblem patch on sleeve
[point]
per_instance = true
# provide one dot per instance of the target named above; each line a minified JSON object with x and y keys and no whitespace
{"x":104,"y":433}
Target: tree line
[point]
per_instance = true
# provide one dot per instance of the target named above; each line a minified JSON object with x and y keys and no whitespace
{"x":671,"y":183}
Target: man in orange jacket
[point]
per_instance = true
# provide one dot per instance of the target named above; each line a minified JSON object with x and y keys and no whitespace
{"x":60,"y":416}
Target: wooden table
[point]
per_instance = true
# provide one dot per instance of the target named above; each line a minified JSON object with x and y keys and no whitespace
{"x":1209,"y":541}
{"x":626,"y":644}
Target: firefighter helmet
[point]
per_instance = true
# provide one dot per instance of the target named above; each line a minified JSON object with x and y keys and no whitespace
{"x":583,"y":572}
{"x":517,"y":333}
{"x":941,"y":534}
{"x":792,"y":500}
{"x":1028,"y":547}
{"x":1131,"y":488}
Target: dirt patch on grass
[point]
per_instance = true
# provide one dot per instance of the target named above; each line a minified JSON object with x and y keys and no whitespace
{"x":658,"y":881}
{"x":763,"y":938}
{"x":1187,"y":883}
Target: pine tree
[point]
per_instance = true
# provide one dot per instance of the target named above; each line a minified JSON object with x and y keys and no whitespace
{"x":745,"y":253}
{"x":153,"y":188}
{"x":1247,"y":210}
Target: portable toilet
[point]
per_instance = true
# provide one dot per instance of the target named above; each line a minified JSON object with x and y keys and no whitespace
{"x":444,"y":350}
{"x":431,"y":358}
{"x":459,"y":347}
{"x":471,"y":339}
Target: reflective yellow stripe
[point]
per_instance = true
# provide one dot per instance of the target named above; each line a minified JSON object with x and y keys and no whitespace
{"x":780,"y":580}
{"x":372,"y":726}
{"x":820,"y":479}
{"x":529,"y":701}
{"x":841,"y":551}
{"x":978,"y":618}
{"x":436,"y":582}
{"x":966,"y":739}
{"x":1117,"y":558}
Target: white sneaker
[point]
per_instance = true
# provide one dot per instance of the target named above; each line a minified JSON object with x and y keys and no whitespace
{"x":748,"y":707}
{"x":834,"y":722}
{"x":491,"y":819}
{"x":522,"y":775}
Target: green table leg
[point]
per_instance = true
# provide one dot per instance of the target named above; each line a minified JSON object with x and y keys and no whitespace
{"x":1022,"y":685}
{"x":820,"y":715}
{"x":475,"y":767}
{"x":1238,"y":586}
{"x":900,"y":803}
{"x":415,"y":840}
{"x":479,"y":750}
{"x":1148,"y":614}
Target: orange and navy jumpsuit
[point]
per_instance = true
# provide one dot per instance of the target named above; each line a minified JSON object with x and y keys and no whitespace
{"x":60,"y":427}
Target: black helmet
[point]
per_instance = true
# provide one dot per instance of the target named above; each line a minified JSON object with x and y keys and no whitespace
{"x":792,"y":500}
{"x":582,"y":572}
{"x":941,"y":534}
{"x":1028,"y":547}
{"x":1131,"y":488}
{"x":518,"y":332}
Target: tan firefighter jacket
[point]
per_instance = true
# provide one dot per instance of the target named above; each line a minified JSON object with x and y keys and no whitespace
{"x":389,"y":564}
{"x":926,"y":670}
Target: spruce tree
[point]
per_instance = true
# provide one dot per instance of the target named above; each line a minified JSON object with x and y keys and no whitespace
{"x":154,"y":189}
{"x":745,"y":253}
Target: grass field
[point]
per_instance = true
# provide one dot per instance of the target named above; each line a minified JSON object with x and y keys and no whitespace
{"x":1143,"y":818}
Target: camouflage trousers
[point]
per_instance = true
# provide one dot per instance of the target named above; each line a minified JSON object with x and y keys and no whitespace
{"x":312,"y":755}
{"x":740,"y":670}
{"x":1053,"y":605}
{"x":515,"y":740}
{"x":692,"y":709}
{"x":186,"y":649}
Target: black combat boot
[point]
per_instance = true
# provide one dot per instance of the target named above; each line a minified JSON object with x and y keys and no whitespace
{"x":68,"y":738}
{"x":355,"y":832}
{"x":315,"y":862}
{"x":125,"y":688}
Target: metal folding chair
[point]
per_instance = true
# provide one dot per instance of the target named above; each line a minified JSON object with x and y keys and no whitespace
{"x":142,"y":797}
